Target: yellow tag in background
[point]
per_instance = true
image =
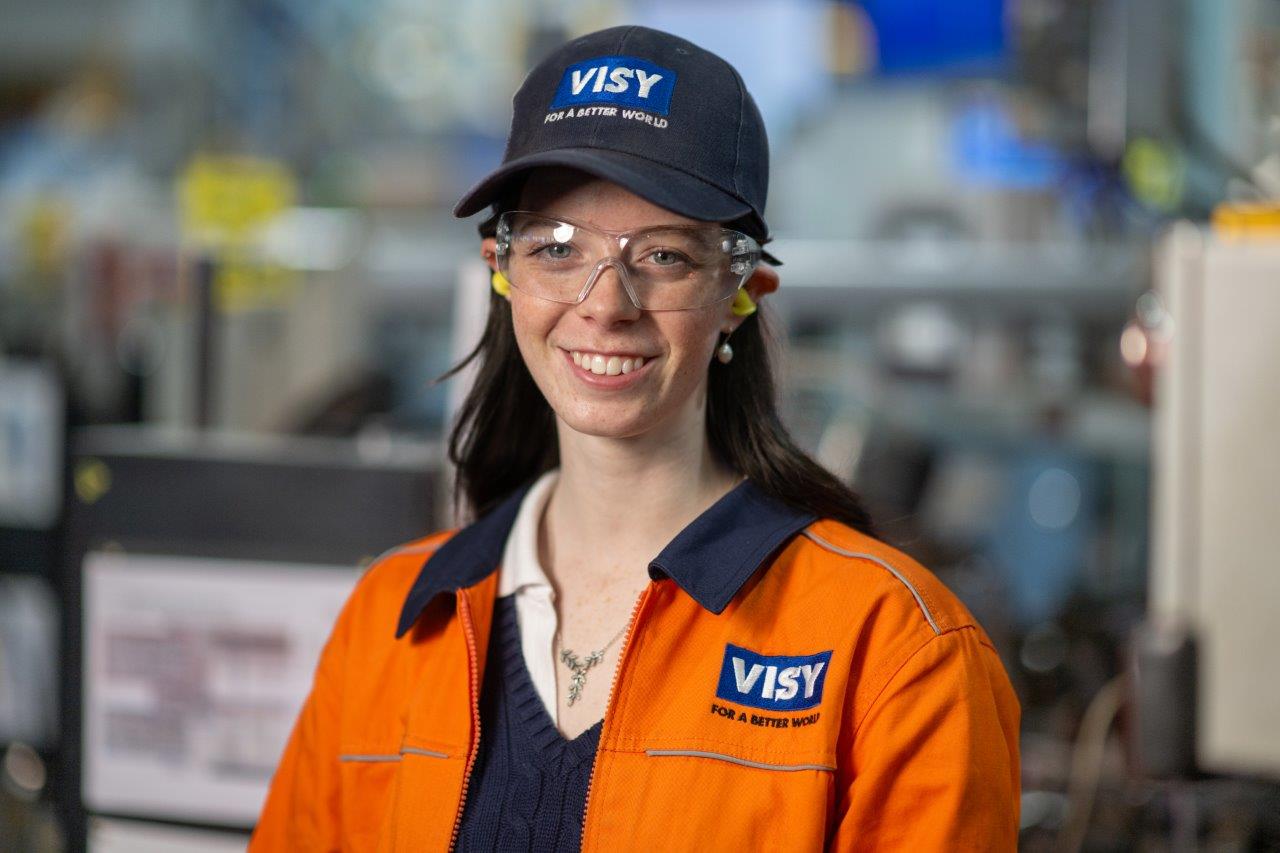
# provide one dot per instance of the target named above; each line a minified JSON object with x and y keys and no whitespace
{"x":225,"y":203}
{"x":227,"y":198}
{"x":45,"y":236}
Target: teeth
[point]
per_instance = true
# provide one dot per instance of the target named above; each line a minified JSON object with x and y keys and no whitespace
{"x":607,"y":365}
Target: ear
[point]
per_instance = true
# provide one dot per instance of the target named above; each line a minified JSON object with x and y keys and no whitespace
{"x":489,"y":251}
{"x":763,"y":281}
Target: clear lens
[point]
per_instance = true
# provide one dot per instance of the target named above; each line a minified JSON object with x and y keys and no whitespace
{"x":664,"y":268}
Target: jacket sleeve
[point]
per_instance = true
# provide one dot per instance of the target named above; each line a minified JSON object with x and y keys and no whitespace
{"x":302,"y":806}
{"x":933,"y":763}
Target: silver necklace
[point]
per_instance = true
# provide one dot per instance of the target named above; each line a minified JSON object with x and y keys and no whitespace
{"x":579,"y":667}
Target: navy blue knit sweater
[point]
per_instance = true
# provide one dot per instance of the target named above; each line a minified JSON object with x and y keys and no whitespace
{"x":529,"y":784}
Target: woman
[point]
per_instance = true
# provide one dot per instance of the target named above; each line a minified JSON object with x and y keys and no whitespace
{"x":775,"y":678}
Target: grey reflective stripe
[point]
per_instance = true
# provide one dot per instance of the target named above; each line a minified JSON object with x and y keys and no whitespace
{"x":697,"y":753}
{"x":413,"y":750}
{"x":873,"y":558}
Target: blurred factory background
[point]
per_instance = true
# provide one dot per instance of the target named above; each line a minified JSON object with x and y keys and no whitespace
{"x":1030,"y":307}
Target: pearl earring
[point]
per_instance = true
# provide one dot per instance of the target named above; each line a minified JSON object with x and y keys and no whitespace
{"x":724,"y":352}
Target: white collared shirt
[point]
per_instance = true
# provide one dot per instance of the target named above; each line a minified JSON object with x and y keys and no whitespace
{"x":522,"y":574}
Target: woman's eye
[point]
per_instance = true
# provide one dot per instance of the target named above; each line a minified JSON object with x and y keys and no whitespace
{"x":558,"y":251}
{"x":664,"y":258}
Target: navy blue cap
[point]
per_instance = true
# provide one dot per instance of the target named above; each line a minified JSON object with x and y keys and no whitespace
{"x":649,"y":111}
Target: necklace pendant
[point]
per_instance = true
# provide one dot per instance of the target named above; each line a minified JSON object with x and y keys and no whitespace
{"x":579,"y":669}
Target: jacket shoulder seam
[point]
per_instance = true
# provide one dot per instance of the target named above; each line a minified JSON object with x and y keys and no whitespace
{"x":882,"y":563}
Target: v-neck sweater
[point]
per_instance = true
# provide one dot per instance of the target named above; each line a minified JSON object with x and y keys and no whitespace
{"x":529,"y":784}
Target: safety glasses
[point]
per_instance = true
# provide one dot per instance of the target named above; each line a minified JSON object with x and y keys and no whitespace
{"x":662,"y":268}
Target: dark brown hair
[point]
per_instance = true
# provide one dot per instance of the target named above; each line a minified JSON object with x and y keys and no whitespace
{"x":505,"y":434}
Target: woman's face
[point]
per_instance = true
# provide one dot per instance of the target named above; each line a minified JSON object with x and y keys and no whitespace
{"x":669,"y":388}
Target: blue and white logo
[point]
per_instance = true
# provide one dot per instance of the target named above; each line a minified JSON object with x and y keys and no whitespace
{"x":626,"y":80}
{"x":772,"y":682}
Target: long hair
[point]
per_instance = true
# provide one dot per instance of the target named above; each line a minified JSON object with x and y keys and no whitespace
{"x":505,"y":434}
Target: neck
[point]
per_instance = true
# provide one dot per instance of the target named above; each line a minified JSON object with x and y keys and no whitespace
{"x":629,"y":497}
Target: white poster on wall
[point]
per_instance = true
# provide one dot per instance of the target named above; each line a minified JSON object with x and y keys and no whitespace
{"x":194,"y":671}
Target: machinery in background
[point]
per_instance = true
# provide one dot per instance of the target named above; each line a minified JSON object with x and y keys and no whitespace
{"x":1200,"y":699}
{"x":1208,"y":680}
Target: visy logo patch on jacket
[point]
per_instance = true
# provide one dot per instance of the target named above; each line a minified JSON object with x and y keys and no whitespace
{"x":772,"y":682}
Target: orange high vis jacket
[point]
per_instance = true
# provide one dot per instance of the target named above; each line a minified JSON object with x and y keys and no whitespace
{"x":785,"y":683}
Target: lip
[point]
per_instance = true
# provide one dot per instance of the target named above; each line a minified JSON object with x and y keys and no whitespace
{"x":611,"y":383}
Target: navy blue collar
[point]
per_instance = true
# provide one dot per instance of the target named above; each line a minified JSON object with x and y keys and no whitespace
{"x":710,"y":559}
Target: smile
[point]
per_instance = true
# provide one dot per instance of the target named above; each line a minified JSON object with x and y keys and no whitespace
{"x":607,"y":365}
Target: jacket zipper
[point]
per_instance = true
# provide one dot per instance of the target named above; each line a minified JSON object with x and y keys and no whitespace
{"x":613,"y":686}
{"x":464,"y":610}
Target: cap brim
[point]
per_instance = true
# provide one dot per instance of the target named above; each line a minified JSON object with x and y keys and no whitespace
{"x":677,"y":191}
{"x":668,"y":188}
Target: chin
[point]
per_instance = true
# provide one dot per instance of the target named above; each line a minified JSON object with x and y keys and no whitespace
{"x":606,"y":427}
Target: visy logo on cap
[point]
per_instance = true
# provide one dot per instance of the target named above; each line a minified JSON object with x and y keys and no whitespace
{"x":626,"y":80}
{"x":772,"y":682}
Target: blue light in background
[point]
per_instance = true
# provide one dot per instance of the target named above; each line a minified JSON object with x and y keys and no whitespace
{"x":987,"y":149}
{"x":936,"y":35}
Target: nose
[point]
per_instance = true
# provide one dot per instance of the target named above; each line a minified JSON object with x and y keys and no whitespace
{"x":608,"y":299}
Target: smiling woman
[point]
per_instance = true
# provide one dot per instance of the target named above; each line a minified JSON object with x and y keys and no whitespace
{"x":666,"y":627}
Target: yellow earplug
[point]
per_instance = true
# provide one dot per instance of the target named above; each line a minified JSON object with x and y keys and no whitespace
{"x":500,"y":284}
{"x":742,"y":304}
